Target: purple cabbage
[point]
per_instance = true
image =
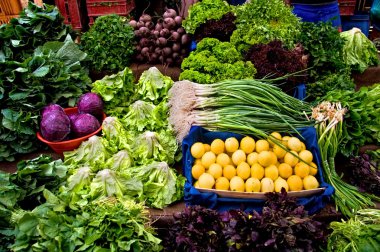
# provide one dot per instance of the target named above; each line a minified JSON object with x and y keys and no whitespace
{"x":51,"y":108}
{"x":91,"y":103}
{"x":55,"y":125}
{"x":85,"y":124}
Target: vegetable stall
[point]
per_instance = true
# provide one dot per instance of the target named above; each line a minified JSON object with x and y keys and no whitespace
{"x":230,"y":128}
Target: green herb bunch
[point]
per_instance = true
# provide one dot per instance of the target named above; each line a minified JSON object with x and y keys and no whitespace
{"x":215,"y":61}
{"x":109,"y":43}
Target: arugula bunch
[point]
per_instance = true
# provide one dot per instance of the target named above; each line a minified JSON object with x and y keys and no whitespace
{"x":215,"y":61}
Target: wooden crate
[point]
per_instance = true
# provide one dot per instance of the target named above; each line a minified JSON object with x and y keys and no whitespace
{"x":10,"y":7}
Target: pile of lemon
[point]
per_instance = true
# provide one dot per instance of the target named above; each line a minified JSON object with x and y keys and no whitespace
{"x":254,"y":166}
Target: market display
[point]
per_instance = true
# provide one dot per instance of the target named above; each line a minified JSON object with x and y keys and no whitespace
{"x":229,"y":138}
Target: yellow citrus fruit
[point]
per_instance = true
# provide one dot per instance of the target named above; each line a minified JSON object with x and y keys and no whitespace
{"x":313,"y":169}
{"x":295,"y":183}
{"x":280,"y":152}
{"x":310,"y":182}
{"x":237,"y":184}
{"x":207,"y":147}
{"x":198,"y":161}
{"x":291,"y":158}
{"x":285,"y":140}
{"x":243,"y":170}
{"x":285,"y":170}
{"x":238,"y":157}
{"x":196,"y":184}
{"x":252,"y":158}
{"x":267,"y":158}
{"x":306,"y":156}
{"x":215,"y":170}
{"x":197,"y":150}
{"x":280,"y":183}
{"x":208,"y":159}
{"x":271,"y":172}
{"x":252,"y":185}
{"x":294,"y":144}
{"x":229,"y":171}
{"x":247,"y":144}
{"x":301,"y":169}
{"x":223,"y":159}
{"x":206,"y":181}
{"x":275,"y":135}
{"x":267,"y":185}
{"x":197,"y":170}
{"x":217,"y":146}
{"x":222,"y":183}
{"x":303,"y":146}
{"x":231,"y":144}
{"x":262,"y":145}
{"x":257,"y":171}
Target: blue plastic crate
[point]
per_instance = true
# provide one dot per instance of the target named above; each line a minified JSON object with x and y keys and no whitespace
{"x":359,"y":21}
{"x":236,"y":2}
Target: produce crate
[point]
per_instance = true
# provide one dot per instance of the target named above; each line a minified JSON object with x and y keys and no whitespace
{"x":358,"y":21}
{"x":313,"y":200}
{"x":71,"y":10}
{"x":347,"y":7}
{"x":4,"y":19}
{"x":10,"y":7}
{"x":97,"y":8}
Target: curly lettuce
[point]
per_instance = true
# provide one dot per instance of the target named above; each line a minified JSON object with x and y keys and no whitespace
{"x":115,"y":134}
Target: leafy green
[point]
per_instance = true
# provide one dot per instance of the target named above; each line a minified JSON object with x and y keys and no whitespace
{"x":109,"y":43}
{"x":117,"y":91}
{"x":162,"y":186}
{"x":103,"y":225}
{"x":215,"y":61}
{"x":205,"y":10}
{"x":359,"y":52}
{"x":361,"y":125}
{"x":116,"y":134}
{"x":324,"y":45}
{"x":263,"y":21}
{"x":120,"y":161}
{"x":153,"y":86}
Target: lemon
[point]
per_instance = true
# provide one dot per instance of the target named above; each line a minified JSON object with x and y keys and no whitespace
{"x":257,"y":171}
{"x":267,"y":158}
{"x":285,"y":170}
{"x":294,"y":144}
{"x":306,"y":156}
{"x":223,"y":159}
{"x":238,"y":157}
{"x":222,"y":183}
{"x":198,"y":161}
{"x":303,"y":146}
{"x":267,"y":185}
{"x":271,"y":172}
{"x":291,"y":158}
{"x":275,"y":135}
{"x":215,"y":170}
{"x":207,"y":147}
{"x":252,"y":158}
{"x":295,"y":183}
{"x":197,"y":170}
{"x":229,"y":171}
{"x":237,"y":184}
{"x":313,"y":169}
{"x":231,"y":144}
{"x":252,"y":185}
{"x":196,"y":184}
{"x":301,"y":169}
{"x":243,"y":170}
{"x":217,"y":146}
{"x":278,"y":151}
{"x":310,"y":182}
{"x":197,"y":150}
{"x":206,"y":181}
{"x":262,"y":145}
{"x":280,"y":183}
{"x":247,"y":144}
{"x":208,"y":159}
{"x":285,"y":140}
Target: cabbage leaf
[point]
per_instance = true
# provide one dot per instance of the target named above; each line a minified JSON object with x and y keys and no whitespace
{"x":120,"y":161}
{"x":115,"y":133}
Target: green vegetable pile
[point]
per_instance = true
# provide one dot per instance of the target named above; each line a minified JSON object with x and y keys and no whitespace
{"x":109,"y":43}
{"x":35,"y":72}
{"x":361,"y":124}
{"x":360,"y":233}
{"x":215,"y":61}
{"x":263,"y":21}
{"x":205,"y":10}
{"x":359,"y":52}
